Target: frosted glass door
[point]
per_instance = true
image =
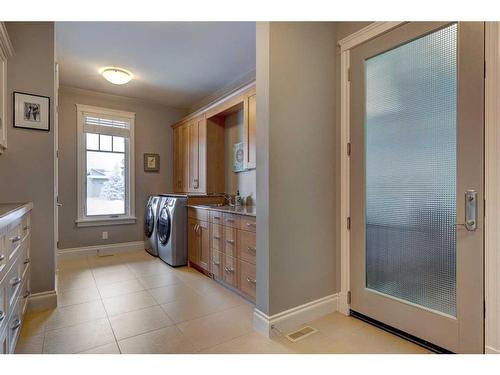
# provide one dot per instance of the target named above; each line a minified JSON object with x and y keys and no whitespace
{"x":417,"y":147}
{"x":410,"y":127}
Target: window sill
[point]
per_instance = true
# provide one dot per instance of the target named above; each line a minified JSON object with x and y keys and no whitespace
{"x":96,"y":222}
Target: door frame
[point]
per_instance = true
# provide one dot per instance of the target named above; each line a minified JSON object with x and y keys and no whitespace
{"x":492,"y":176}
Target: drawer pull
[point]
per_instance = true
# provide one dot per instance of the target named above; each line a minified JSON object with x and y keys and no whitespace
{"x":251,"y":281}
{"x":15,"y":281}
{"x":230,"y":241}
{"x":253,"y":225}
{"x":16,"y":324}
{"x":15,"y":239}
{"x":27,"y":260}
{"x":216,"y":217}
{"x":216,"y":263}
{"x":230,"y":220}
{"x":2,"y":315}
{"x":26,"y":227}
{"x":228,"y":269}
{"x":26,"y":294}
{"x":252,"y":249}
{"x":2,"y":257}
{"x":217,"y":237}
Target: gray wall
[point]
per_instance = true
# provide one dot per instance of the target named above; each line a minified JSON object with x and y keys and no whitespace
{"x":152,"y":135}
{"x":245,"y":181}
{"x":296,"y":151}
{"x":27,"y":166}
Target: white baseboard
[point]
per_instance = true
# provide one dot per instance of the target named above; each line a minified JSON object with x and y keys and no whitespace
{"x":288,"y":320}
{"x":101,"y":249}
{"x":42,"y":301}
{"x":490,"y":350}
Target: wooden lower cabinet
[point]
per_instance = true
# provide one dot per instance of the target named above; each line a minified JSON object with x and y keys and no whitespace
{"x":216,"y":264}
{"x":247,"y":280}
{"x":199,"y":243}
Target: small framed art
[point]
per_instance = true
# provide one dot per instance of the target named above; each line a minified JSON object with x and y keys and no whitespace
{"x":31,"y":111}
{"x":151,"y":163}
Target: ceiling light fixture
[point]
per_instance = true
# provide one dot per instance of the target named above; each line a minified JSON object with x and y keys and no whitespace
{"x":116,"y":76}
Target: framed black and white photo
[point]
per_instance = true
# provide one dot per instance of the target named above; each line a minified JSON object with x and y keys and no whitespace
{"x":31,"y":111}
{"x":151,"y":163}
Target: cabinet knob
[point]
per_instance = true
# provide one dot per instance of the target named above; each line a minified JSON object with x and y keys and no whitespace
{"x":16,"y":323}
{"x":2,"y":315}
{"x":251,"y":281}
{"x":15,"y":281}
{"x":252,"y":249}
{"x":230,"y":241}
{"x":217,"y":237}
{"x":216,"y":263}
{"x":227,"y":269}
{"x":253,"y":225}
{"x":2,"y":257}
{"x":26,"y":227}
{"x":27,"y":260}
{"x":15,"y":239}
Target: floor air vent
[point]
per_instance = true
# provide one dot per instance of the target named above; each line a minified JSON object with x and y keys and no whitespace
{"x":301,"y":333}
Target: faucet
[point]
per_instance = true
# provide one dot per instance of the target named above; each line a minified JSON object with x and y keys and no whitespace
{"x":227,"y":197}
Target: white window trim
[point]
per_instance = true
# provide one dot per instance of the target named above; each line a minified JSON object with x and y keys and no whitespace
{"x":129,"y":217}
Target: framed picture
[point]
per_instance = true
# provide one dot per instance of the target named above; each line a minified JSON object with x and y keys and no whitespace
{"x":151,"y":163}
{"x":31,"y":111}
{"x":239,"y":157}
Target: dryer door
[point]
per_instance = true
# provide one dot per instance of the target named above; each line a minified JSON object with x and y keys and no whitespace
{"x":149,"y":221}
{"x":164,"y":225}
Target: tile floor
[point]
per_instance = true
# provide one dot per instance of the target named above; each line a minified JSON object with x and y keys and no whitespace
{"x":134,"y":303}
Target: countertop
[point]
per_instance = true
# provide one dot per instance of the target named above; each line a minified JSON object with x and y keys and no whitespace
{"x":10,"y":211}
{"x":240,"y":210}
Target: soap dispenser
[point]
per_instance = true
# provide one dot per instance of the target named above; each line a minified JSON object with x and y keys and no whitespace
{"x":237,"y":198}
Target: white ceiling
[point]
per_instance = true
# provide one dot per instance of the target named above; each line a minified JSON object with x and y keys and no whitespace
{"x":175,"y":63}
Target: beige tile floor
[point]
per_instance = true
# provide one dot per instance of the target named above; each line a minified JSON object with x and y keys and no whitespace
{"x":134,"y":303}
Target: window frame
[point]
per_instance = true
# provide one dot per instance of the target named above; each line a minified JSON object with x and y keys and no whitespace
{"x":110,"y":219}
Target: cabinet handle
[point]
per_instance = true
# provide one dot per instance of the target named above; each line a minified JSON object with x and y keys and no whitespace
{"x":26,"y":227}
{"x":15,"y":239}
{"x":27,"y":260}
{"x":228,"y":269}
{"x":26,"y":294}
{"x":217,"y":237}
{"x":230,"y":241}
{"x":252,"y":249}
{"x":2,"y":257}
{"x":16,"y":325}
{"x":251,"y":225}
{"x":2,"y":315}
{"x":196,"y":184}
{"x":216,"y":263}
{"x":15,"y":281}
{"x":216,"y":217}
{"x":230,"y":220}
{"x":251,"y":281}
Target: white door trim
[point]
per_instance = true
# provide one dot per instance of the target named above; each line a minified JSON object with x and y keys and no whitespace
{"x":349,"y":42}
{"x":492,"y":186}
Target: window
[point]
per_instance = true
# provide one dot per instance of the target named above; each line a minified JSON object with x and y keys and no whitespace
{"x":105,"y":166}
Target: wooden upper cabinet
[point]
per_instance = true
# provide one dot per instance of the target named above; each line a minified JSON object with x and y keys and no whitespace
{"x":197,"y":134}
{"x":251,"y":132}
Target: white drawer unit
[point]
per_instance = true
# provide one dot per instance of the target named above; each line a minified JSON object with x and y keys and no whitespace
{"x":14,"y":271}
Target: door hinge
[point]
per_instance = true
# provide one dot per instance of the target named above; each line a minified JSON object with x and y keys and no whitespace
{"x":348,"y":148}
{"x":349,"y":297}
{"x":348,"y":223}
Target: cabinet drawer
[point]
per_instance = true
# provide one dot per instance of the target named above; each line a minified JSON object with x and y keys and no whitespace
{"x":247,"y":246}
{"x":13,"y":328}
{"x":14,"y":239}
{"x":13,"y":282}
{"x":230,"y":240}
{"x":231,"y":220}
{"x":198,"y":213}
{"x":3,"y":342}
{"x":3,"y":254}
{"x":216,"y":264}
{"x":217,"y":233}
{"x":3,"y":305}
{"x":248,"y":223}
{"x":24,"y":294}
{"x":216,"y":217}
{"x":230,"y":271}
{"x":247,"y":278}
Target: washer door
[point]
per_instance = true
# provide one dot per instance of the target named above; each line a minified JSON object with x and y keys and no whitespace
{"x":164,"y":225}
{"x":149,"y":221}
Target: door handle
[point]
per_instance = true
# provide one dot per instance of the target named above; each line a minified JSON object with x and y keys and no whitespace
{"x":470,"y":211}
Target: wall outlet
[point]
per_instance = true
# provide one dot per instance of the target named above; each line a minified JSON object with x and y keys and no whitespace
{"x":104,"y":235}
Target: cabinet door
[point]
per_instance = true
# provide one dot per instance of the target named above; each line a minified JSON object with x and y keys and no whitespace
{"x":184,"y":158}
{"x":177,"y":182}
{"x":193,"y":152}
{"x":251,"y":132}
{"x":193,"y":242}
{"x":204,"y":245}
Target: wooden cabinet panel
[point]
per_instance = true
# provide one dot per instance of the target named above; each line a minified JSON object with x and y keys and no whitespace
{"x":247,"y":246}
{"x":216,"y":217}
{"x":231,"y":220}
{"x":217,"y":237}
{"x":230,"y":238}
{"x":248,"y":282}
{"x":230,"y":271}
{"x":198,"y":213}
{"x":177,"y":175}
{"x":193,"y":156}
{"x":204,"y":243}
{"x":193,"y":243}
{"x":251,"y":132}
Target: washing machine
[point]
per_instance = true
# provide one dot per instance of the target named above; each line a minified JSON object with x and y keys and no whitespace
{"x":172,"y":230}
{"x":150,"y":224}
